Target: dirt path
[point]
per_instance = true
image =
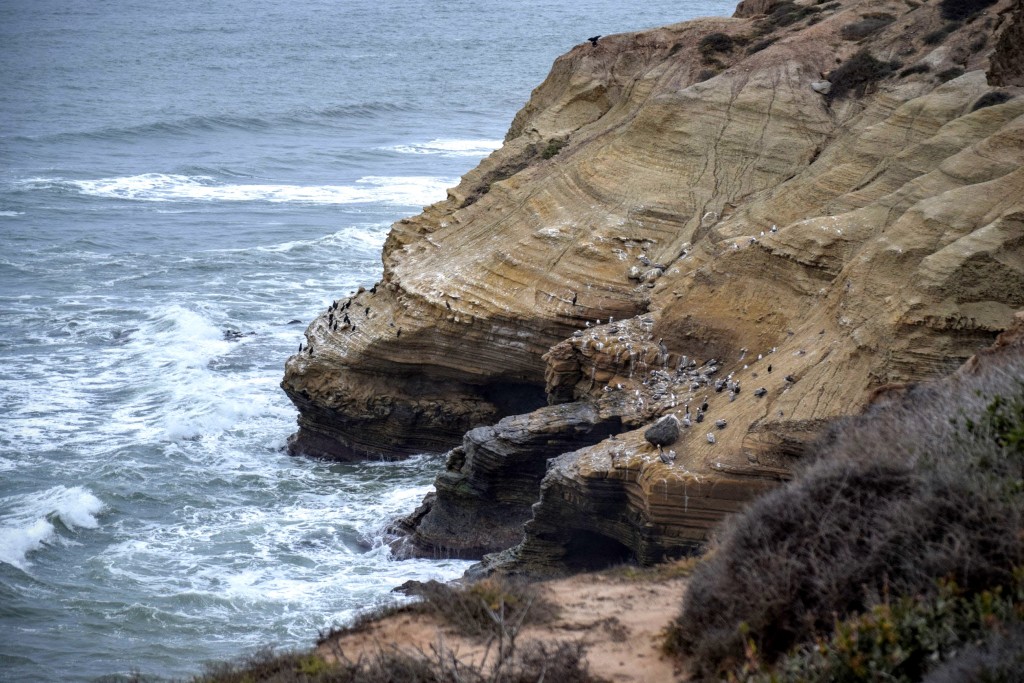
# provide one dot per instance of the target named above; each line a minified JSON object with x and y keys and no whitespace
{"x":619,"y":615}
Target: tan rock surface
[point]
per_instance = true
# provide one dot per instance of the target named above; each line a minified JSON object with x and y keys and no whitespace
{"x":897,"y":252}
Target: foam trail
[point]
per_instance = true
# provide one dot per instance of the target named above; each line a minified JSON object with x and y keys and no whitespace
{"x":163,"y":187}
{"x":30,"y":524}
{"x":450,"y":147}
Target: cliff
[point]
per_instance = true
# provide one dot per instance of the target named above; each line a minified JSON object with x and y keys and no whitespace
{"x":771,"y":217}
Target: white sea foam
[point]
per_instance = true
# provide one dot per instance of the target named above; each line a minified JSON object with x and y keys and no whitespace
{"x":450,"y":147}
{"x":369,"y":235}
{"x":28,"y":520}
{"x":164,"y":187}
{"x":11,"y":214}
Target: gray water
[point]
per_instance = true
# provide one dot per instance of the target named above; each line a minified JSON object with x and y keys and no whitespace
{"x":178,"y":183}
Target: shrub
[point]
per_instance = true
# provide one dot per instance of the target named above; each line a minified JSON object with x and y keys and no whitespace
{"x":760,"y":45}
{"x":950,"y":74}
{"x":999,"y":657}
{"x":962,"y":10}
{"x":866,"y":27}
{"x":706,"y":74}
{"x":990,"y":99}
{"x":533,"y":661}
{"x":915,"y":490}
{"x":939,"y":35}
{"x":921,"y":68}
{"x":715,"y":42}
{"x":857,"y":74}
{"x":904,"y":639}
{"x":786,"y":13}
{"x":554,"y":147}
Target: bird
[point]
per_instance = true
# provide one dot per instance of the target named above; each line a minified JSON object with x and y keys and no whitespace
{"x":700,"y":416}
{"x":367,"y":311}
{"x":448,"y":305}
{"x":593,"y":40}
{"x":769,"y":367}
{"x":300,"y":347}
{"x":720,"y":424}
{"x":373,"y":290}
{"x":711,"y":437}
{"x":574,"y":298}
{"x":760,"y":391}
{"x":704,"y":406}
{"x":398,"y":333}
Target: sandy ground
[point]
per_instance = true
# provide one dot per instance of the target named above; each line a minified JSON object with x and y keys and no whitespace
{"x":619,"y":615}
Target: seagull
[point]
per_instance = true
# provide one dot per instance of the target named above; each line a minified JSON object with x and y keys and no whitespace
{"x":711,"y":437}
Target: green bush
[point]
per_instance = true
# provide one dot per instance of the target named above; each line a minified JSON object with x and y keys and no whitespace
{"x":916,"y":490}
{"x":554,"y":147}
{"x":904,"y":639}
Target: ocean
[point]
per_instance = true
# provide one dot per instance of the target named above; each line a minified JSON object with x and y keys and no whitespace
{"x":183,"y":187}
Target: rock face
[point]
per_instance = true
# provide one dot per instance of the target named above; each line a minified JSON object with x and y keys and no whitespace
{"x":676,"y":220}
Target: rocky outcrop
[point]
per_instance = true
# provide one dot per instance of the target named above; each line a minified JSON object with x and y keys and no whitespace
{"x":663,"y":201}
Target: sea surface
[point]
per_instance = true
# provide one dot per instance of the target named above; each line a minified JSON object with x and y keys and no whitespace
{"x":183,"y":186}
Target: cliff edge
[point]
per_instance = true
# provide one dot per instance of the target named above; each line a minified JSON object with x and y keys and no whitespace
{"x":752,"y":223}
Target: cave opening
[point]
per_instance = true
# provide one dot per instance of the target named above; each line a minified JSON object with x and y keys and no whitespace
{"x":590,"y":551}
{"x":515,"y":398}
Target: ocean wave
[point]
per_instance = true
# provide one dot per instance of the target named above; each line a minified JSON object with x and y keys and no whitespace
{"x":188,"y":125}
{"x":371,"y":236}
{"x":450,"y":147}
{"x":31,"y":522}
{"x":169,"y":187}
{"x":11,"y":214}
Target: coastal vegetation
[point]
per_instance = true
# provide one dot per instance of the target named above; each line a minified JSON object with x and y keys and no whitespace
{"x":898,"y":546}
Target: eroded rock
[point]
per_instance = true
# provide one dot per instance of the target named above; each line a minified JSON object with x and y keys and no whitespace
{"x":852,"y":244}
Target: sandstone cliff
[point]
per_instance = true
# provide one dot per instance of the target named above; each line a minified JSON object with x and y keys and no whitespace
{"x":774,"y":214}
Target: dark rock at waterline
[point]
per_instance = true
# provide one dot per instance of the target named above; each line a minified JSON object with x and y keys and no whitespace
{"x":664,"y":432}
{"x":490,"y":482}
{"x":235,"y":335}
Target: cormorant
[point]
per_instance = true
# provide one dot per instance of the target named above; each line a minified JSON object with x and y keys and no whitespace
{"x":593,"y":40}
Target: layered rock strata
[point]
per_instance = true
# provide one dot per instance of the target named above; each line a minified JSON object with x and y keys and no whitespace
{"x":673,"y":195}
